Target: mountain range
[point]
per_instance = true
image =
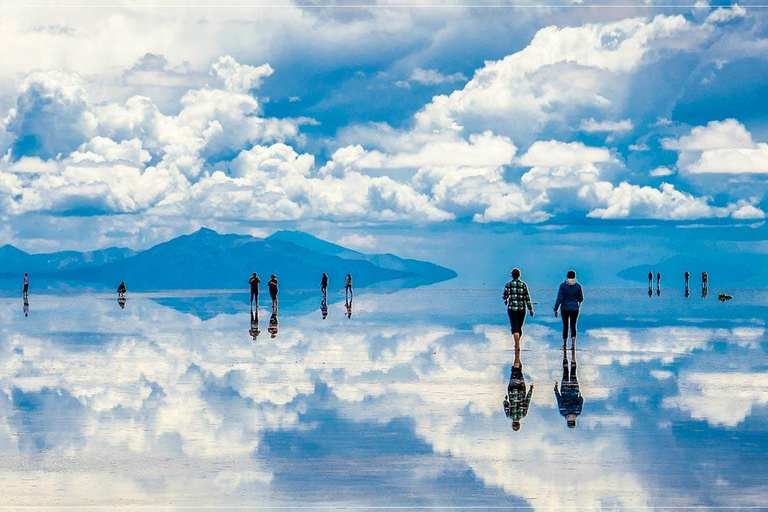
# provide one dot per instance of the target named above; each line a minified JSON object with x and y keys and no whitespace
{"x":206,"y":259}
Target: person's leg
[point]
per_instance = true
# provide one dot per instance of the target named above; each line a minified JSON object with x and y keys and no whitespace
{"x":564,"y":318}
{"x":573,"y":317}
{"x":564,"y":380}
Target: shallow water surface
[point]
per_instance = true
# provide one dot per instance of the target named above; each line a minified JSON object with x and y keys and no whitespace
{"x":182,"y":400}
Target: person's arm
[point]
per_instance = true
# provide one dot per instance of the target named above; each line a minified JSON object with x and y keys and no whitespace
{"x":581,"y":295}
{"x":559,"y":398}
{"x":527,"y":401}
{"x":528,"y":299}
{"x":559,"y":300}
{"x":505,"y":296}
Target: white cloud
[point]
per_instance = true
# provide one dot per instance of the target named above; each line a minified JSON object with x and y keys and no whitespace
{"x":591,"y":125}
{"x":434,"y":77}
{"x":359,"y":242}
{"x":661,"y":171}
{"x":240,"y":77}
{"x":721,"y":399}
{"x":726,"y":14}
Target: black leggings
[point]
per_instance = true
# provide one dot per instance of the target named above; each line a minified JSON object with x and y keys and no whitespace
{"x":569,"y":317}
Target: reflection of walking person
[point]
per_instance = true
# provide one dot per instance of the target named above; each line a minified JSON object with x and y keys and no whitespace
{"x":569,"y":299}
{"x":658,"y":283}
{"x":324,"y":285}
{"x":254,"y":282}
{"x":517,"y":401}
{"x":517,"y":299}
{"x":348,"y":304}
{"x":25,"y":308}
{"x":273,"y":290}
{"x":25,"y":290}
{"x":348,"y":287}
{"x":272,"y":329}
{"x":254,"y":330}
{"x":324,"y":308}
{"x":569,"y":399}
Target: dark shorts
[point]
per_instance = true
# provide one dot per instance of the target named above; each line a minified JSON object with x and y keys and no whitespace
{"x":516,"y":320}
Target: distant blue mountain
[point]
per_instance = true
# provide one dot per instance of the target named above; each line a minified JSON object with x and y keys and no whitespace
{"x":209,"y":260}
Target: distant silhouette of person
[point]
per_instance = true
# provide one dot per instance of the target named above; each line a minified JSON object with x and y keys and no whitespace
{"x":25,"y":308}
{"x":25,"y":290}
{"x":324,"y":285}
{"x":650,"y":279}
{"x":517,"y":401}
{"x":569,"y":399}
{"x":348,"y":304}
{"x":658,"y":279}
{"x":517,"y":299}
{"x":272,"y":329}
{"x":324,"y":308}
{"x":254,"y":329}
{"x":273,"y":290}
{"x":687,"y":284}
{"x":121,"y":302}
{"x":254,"y":282}
{"x":704,"y":282}
{"x":121,"y":289}
{"x":348,"y":286}
{"x":569,"y":299}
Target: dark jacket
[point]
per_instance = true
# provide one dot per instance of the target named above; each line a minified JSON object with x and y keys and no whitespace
{"x":569,"y":401}
{"x":569,"y":297}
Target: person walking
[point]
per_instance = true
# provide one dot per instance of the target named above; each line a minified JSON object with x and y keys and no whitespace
{"x":25,"y":289}
{"x":324,"y":285}
{"x":569,"y":299}
{"x":273,"y":290}
{"x":348,"y":287}
{"x":658,"y":280}
{"x":254,"y":282}
{"x":650,"y":279}
{"x":687,"y":278}
{"x":517,"y":298}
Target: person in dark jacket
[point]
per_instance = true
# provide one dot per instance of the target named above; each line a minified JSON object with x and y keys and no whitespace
{"x":569,"y":299}
{"x":324,"y":285}
{"x":569,"y":399}
{"x":121,"y":289}
{"x":254,"y":282}
{"x":273,"y":290}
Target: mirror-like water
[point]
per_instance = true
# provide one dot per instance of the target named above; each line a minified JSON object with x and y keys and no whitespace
{"x":397,"y":400}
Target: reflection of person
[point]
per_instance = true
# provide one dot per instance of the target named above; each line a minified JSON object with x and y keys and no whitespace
{"x":569,"y":299}
{"x":121,"y":302}
{"x":704,"y":284}
{"x":569,"y":399}
{"x":121,"y":289}
{"x":348,"y":304}
{"x":25,"y":289}
{"x":348,"y":286}
{"x":650,"y":291}
{"x":324,"y":308}
{"x":517,"y":401}
{"x":324,"y":285}
{"x":254,"y":330}
{"x":273,"y":289}
{"x":254,"y":282}
{"x":517,"y":299}
{"x":25,"y":308}
{"x":272,"y":329}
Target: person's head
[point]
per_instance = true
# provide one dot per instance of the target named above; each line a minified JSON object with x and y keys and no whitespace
{"x":571,"y":419}
{"x":254,"y":273}
{"x":571,"y":274}
{"x":25,"y":274}
{"x":515,"y":425}
{"x":349,"y":275}
{"x":515,"y":273}
{"x":273,"y":276}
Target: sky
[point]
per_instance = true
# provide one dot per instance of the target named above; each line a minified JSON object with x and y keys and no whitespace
{"x":408,"y":127}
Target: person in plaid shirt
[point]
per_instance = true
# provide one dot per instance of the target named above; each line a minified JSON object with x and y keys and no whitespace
{"x":517,"y":299}
{"x":517,"y":401}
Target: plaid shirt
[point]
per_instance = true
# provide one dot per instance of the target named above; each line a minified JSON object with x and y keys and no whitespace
{"x":516,"y":296}
{"x":516,"y":403}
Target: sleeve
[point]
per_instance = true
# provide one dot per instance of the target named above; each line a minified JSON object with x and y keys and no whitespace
{"x":559,"y":297}
{"x":505,"y":296}
{"x":528,"y":299}
{"x":559,"y":399}
{"x":527,"y":401}
{"x":581,"y":294}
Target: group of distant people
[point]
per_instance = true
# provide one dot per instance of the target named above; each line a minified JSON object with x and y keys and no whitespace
{"x":516,"y":296}
{"x":687,"y":276}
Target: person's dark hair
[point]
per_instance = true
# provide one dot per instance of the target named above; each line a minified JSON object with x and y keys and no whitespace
{"x":515,"y":426}
{"x":571,"y":274}
{"x":515,"y":273}
{"x":572,"y":423}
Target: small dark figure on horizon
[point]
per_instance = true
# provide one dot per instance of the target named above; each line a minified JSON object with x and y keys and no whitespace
{"x":650,"y":278}
{"x":272,"y":329}
{"x":25,"y":308}
{"x":517,"y":299}
{"x":569,"y":299}
{"x":25,"y":289}
{"x":254,"y":330}
{"x":121,"y":289}
{"x":687,"y":284}
{"x":704,"y":280}
{"x":569,"y":399}
{"x":658,"y":279}
{"x":517,"y":401}
{"x":324,"y":285}
{"x":273,"y":290}
{"x":348,"y":286}
{"x":254,"y":282}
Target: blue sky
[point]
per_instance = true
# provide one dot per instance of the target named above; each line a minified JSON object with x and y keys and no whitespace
{"x":370,"y":125}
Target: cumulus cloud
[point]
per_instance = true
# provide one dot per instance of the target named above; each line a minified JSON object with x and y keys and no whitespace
{"x":661,"y":171}
{"x":434,"y":77}
{"x":726,"y":14}
{"x":720,"y":147}
{"x":591,"y":125}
